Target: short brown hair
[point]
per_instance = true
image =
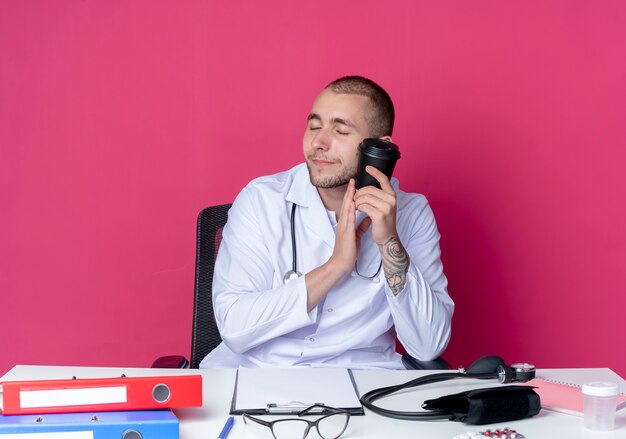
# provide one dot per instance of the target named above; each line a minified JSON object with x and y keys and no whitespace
{"x":381,"y":118}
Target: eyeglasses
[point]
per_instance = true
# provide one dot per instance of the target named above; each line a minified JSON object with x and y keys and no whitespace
{"x":331,"y":425}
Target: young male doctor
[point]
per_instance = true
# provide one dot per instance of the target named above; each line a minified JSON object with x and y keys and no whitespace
{"x":369,"y":258}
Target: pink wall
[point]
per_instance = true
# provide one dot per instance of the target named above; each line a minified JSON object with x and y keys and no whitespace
{"x":120,"y":120}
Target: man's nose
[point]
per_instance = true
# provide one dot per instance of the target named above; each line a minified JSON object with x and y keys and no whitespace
{"x":321,"y":140}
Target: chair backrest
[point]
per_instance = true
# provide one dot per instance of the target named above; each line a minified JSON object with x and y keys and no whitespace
{"x":204,"y":336}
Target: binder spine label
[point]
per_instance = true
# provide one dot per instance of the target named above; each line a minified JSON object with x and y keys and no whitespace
{"x":50,"y":435}
{"x":72,"y":397}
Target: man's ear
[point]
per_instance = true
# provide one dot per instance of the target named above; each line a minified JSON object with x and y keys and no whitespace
{"x":385,"y":138}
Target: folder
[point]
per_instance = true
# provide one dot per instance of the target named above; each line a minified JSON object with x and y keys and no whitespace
{"x":100,"y":394}
{"x":564,"y":397}
{"x":150,"y":424}
{"x":268,"y":391}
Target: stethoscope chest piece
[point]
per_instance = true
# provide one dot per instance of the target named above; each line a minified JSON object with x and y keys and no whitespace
{"x":291,"y":275}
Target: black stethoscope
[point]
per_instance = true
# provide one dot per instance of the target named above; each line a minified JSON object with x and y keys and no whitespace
{"x":294,"y":273}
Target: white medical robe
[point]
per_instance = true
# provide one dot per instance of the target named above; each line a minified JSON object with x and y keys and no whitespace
{"x":264,"y":322}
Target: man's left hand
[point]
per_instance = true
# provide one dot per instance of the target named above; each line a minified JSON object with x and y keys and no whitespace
{"x":379,"y":205}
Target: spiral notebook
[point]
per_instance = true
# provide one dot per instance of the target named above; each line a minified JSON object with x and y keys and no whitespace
{"x":564,"y":397}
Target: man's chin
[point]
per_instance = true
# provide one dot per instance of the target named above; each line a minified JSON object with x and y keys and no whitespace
{"x":327,"y":185}
{"x":329,"y":182}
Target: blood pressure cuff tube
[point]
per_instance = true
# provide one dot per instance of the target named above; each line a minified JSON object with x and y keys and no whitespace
{"x":490,"y":405}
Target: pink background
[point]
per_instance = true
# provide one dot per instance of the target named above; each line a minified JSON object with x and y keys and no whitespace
{"x":120,"y":120}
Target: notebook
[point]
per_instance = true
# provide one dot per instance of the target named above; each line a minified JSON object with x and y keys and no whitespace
{"x":564,"y":397}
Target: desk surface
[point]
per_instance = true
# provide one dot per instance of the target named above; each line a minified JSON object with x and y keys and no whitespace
{"x":207,"y":421}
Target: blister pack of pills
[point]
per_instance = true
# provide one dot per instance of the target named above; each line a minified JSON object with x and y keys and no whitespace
{"x":498,"y":433}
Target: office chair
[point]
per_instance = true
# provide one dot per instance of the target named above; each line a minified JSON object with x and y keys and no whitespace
{"x":205,"y":335}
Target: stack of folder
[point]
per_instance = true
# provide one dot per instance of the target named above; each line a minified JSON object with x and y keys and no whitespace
{"x":96,"y":408}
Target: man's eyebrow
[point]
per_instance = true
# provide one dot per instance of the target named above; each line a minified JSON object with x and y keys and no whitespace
{"x":334,"y":120}
{"x":341,"y":121}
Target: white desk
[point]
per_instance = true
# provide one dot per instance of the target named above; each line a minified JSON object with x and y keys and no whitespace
{"x":206,"y":422}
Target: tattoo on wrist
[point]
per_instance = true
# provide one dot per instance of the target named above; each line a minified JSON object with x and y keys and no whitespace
{"x":396,"y":264}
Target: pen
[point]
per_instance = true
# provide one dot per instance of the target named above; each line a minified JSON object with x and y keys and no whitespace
{"x":226,"y":429}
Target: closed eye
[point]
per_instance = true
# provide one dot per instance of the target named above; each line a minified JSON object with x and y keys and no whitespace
{"x":314,"y":122}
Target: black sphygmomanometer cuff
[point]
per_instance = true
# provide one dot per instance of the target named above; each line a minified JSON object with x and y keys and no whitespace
{"x":489,"y":405}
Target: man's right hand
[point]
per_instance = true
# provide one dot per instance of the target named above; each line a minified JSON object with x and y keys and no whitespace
{"x":347,"y":243}
{"x":347,"y":235}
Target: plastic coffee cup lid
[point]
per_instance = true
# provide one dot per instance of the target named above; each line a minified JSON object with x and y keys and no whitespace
{"x":380,"y":148}
{"x":600,"y":388}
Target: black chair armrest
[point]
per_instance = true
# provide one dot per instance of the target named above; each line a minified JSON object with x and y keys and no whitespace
{"x":413,"y":364}
{"x":171,"y":362}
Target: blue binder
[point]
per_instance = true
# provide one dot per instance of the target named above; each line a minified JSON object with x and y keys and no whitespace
{"x":148,"y":424}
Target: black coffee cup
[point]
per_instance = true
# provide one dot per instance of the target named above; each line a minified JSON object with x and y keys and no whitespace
{"x":378,"y":153}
